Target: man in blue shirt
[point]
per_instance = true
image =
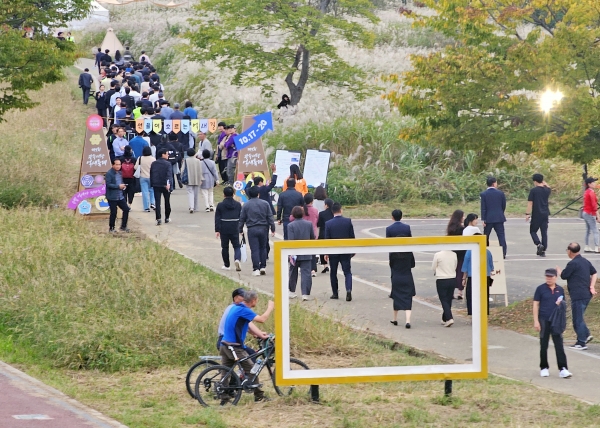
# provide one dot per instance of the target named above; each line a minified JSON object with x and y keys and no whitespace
{"x":234,"y":335}
{"x":138,"y":143}
{"x":545,"y":299}
{"x":190,"y":111}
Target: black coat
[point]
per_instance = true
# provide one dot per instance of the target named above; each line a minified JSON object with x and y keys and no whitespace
{"x":324,"y":217}
{"x":161,"y":172}
{"x":101,"y":102}
{"x":227,"y":216}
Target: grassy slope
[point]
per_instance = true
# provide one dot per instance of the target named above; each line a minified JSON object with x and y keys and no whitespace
{"x":115,"y":322}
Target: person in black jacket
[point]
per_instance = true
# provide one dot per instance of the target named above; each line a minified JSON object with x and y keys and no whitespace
{"x":172,"y":157}
{"x":179,"y":155}
{"x":324,"y":217}
{"x":101,"y":103}
{"x":264,"y":193}
{"x":161,"y":179}
{"x":285,"y":101}
{"x":288,"y":199}
{"x":85,"y":83}
{"x":227,"y":216}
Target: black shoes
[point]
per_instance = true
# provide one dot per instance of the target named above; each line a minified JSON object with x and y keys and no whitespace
{"x":541,"y":251}
{"x":394,"y":322}
{"x":349,"y":296}
{"x":334,"y":296}
{"x":407,"y":325}
{"x":325,"y":270}
{"x":180,"y":184}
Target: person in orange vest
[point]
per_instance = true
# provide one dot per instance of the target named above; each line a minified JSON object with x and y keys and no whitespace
{"x":300,"y":181}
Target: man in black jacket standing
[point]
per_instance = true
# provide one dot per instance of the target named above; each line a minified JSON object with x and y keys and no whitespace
{"x":85,"y":83}
{"x":258,"y":217}
{"x":493,"y":205}
{"x":99,"y":56}
{"x":161,"y":177}
{"x":227,"y":217}
{"x":288,"y":199}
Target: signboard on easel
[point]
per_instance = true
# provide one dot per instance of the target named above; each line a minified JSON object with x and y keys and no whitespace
{"x":283,"y":160}
{"x":95,"y":161}
{"x":316,"y":167}
{"x":499,"y":274}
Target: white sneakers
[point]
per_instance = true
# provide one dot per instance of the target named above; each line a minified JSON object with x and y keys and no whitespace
{"x":293,"y":295}
{"x":238,"y":266}
{"x":225,"y":268}
{"x":263,"y":271}
{"x":448,"y":323}
{"x":564,"y":373}
{"x":304,"y":298}
{"x":256,"y":273}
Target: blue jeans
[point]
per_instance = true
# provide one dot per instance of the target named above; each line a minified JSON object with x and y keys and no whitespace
{"x":590,"y":225}
{"x":578,"y":308}
{"x":147,"y":193}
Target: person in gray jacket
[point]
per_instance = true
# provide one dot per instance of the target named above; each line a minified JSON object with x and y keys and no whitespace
{"x":115,"y":197}
{"x":300,"y":229}
{"x":257,"y":216}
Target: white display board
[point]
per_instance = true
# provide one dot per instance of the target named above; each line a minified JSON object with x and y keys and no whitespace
{"x":316,"y":167}
{"x":283,"y":160}
{"x":498,"y":275}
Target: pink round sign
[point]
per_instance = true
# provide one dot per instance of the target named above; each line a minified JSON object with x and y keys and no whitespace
{"x":94,"y":122}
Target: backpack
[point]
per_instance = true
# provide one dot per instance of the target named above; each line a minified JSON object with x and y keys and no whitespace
{"x":127,"y":169}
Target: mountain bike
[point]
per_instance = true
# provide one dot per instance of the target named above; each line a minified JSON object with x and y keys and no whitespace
{"x":221,"y":385}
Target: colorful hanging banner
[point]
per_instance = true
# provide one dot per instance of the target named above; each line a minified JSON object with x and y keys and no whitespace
{"x":204,"y":125}
{"x":195,"y":124}
{"x":147,"y":125}
{"x":156,"y":126}
{"x":185,"y":126}
{"x":168,"y":127}
{"x":176,"y":126}
{"x":212,"y":125}
{"x":139,"y":126}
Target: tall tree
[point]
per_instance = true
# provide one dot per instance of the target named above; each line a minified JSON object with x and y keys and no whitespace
{"x":293,"y":39}
{"x":28,"y":63}
{"x":483,"y":93}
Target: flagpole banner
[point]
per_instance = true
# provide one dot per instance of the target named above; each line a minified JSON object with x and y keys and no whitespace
{"x":147,"y":125}
{"x":195,"y":125}
{"x":185,"y":126}
{"x":204,"y":125}
{"x":176,"y":125}
{"x":168,"y":126}
{"x":212,"y":125}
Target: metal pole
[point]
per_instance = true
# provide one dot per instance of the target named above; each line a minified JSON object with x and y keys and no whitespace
{"x":448,"y":388}
{"x":314,"y":393}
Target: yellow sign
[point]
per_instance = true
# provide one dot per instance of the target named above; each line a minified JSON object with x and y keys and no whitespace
{"x":212,"y":125}
{"x":195,"y":125}
{"x":95,"y":140}
{"x":156,"y":125}
{"x":476,"y":368}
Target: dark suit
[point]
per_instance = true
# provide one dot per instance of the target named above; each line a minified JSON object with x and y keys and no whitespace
{"x":493,"y":205}
{"x":301,"y":230}
{"x":85,"y":83}
{"x":398,"y":230}
{"x":340,"y":228}
{"x":324,"y":217}
{"x":288,"y":199}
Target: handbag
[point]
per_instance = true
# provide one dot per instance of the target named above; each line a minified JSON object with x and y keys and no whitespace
{"x":216,"y":179}
{"x":243,"y":250}
{"x":184,"y":176}
{"x":138,"y":171}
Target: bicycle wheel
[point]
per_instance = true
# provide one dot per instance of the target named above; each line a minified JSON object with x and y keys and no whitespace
{"x":295,"y":364}
{"x":194,"y":371}
{"x":210,"y":391}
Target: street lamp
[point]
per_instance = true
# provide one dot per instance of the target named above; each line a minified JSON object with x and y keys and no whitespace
{"x":550,"y":99}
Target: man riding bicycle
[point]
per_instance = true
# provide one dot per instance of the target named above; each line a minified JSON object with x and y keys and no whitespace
{"x":234,"y":334}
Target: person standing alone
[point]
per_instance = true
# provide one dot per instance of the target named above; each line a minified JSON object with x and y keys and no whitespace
{"x":85,"y":83}
{"x":493,"y":205}
{"x":581,"y":281}
{"x":538,"y":211}
{"x":115,"y":197}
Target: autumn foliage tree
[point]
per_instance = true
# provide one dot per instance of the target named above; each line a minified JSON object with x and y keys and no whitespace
{"x":28,"y":63}
{"x":289,"y":39}
{"x":483,"y":92}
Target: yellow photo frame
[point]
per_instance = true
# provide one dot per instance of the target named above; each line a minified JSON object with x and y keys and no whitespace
{"x":477,"y":369}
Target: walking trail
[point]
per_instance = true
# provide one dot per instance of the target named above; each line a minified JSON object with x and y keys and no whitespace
{"x":510,"y":354}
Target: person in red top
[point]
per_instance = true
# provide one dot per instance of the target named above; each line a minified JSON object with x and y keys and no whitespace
{"x":590,"y":214}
